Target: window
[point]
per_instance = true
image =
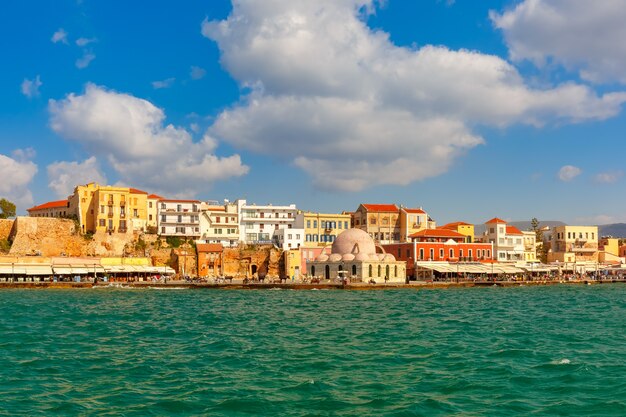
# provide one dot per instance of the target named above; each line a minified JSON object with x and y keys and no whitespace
{"x":373,"y":220}
{"x":408,"y":253}
{"x":488,"y":253}
{"x":150,"y":217}
{"x":315,"y":224}
{"x":218,"y":231}
{"x":323,"y":224}
{"x":163,"y":218}
{"x":217,"y":219}
{"x":339,"y":225}
{"x":308,"y":224}
{"x":297,"y":236}
{"x":432,"y":254}
{"x":469,"y":253}
{"x":179,"y":207}
{"x":395,"y":271}
{"x":441,"y":253}
{"x":251,"y":237}
{"x":135,"y":214}
{"x":163,"y":206}
{"x":289,"y":236}
{"x":460,"y":253}
{"x":345,"y":225}
{"x":150,"y":204}
{"x":380,"y":270}
{"x":180,"y":219}
{"x":261,"y":226}
{"x":370,"y":270}
{"x":492,"y":230}
{"x":421,"y":254}
{"x":399,"y":252}
{"x":102,"y":223}
{"x":451,"y":253}
{"x":102,"y":209}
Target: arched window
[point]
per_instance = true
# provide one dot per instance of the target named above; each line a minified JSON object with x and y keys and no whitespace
{"x":380,"y":270}
{"x":327,"y":272}
{"x":313,"y":270}
{"x":354,"y":270}
{"x":387,"y":272}
{"x":395,"y":271}
{"x":370,"y":271}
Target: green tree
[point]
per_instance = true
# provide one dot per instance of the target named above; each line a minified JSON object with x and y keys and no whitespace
{"x":542,"y":253}
{"x":8,"y":209}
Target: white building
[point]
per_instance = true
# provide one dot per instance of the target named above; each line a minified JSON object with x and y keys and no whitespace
{"x":179,"y":218}
{"x":508,"y":241}
{"x":258,"y":224}
{"x":219,"y":224}
{"x":289,"y":238}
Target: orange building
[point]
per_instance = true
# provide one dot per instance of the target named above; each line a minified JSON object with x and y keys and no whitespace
{"x":210,"y":259}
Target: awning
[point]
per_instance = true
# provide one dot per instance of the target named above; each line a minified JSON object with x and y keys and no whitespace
{"x":38,"y":270}
{"x":8,"y":269}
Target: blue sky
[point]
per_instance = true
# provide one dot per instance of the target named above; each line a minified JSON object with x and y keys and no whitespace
{"x":468,"y":109}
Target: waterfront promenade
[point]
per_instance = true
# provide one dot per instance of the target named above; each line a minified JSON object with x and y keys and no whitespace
{"x":239,"y":284}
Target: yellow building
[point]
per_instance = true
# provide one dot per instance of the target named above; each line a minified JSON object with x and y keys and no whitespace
{"x":571,"y":244}
{"x":530,"y":246}
{"x":463,"y":228}
{"x":413,"y":220}
{"x":609,"y":245}
{"x":380,"y":221}
{"x":109,"y":209}
{"x":321,"y":229}
{"x":293,"y":264}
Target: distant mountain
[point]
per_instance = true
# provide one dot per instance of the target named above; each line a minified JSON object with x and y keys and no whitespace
{"x":615,"y":230}
{"x":479,"y":229}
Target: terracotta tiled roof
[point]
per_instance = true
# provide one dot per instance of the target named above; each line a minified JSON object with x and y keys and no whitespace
{"x":209,"y":247}
{"x":438,"y":233}
{"x":414,"y":211}
{"x":155,"y":197}
{"x":136,"y":191}
{"x":512,"y":230}
{"x":50,"y":204}
{"x":495,"y":220}
{"x":381,"y":207}
{"x":454,"y":225}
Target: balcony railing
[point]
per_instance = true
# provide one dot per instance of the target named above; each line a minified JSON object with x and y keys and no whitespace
{"x":110,"y":214}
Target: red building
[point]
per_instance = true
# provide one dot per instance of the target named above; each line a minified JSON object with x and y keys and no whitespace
{"x":441,"y":245}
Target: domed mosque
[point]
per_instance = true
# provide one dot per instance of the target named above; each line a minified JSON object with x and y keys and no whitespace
{"x":353,"y":255}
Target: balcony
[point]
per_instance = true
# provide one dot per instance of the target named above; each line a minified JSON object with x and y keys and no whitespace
{"x":110,"y":214}
{"x":268,"y":220}
{"x":122,"y":215}
{"x":123,"y":203}
{"x":122,"y":230}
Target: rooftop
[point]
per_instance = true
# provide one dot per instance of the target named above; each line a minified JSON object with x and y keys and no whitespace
{"x":50,"y":204}
{"x":381,"y":207}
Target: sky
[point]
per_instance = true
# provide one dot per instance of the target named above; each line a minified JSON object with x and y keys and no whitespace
{"x":471,"y":110}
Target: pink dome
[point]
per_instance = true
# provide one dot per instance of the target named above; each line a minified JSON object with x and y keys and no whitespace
{"x":348,"y":257}
{"x":353,"y":241}
{"x":362,"y":257}
{"x":322,"y":258}
{"x":334,"y":257}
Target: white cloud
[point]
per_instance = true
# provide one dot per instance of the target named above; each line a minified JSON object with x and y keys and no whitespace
{"x":130,"y":133}
{"x":167,"y":83}
{"x":85,"y":60}
{"x":17,"y":173}
{"x":85,"y":41}
{"x":64,"y":176}
{"x":569,"y":172}
{"x":353,"y":110}
{"x":59,"y":36}
{"x":197,"y":73}
{"x":582,"y":35}
{"x":30,"y":88}
{"x":609,"y":177}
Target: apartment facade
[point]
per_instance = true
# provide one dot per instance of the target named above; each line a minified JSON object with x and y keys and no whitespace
{"x":413,"y":220}
{"x":287,"y":239}
{"x":508,"y":241}
{"x":179,"y":218}
{"x":152,"y":220}
{"x":321,"y":229}
{"x":572,"y":244}
{"x":219,"y":224}
{"x":380,"y":221}
{"x":58,"y":208}
{"x":530,"y":246}
{"x":258,"y":224}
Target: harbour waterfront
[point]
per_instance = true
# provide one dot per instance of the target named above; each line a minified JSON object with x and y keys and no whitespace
{"x":555,"y":350}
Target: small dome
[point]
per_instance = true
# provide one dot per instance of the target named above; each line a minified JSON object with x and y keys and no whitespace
{"x":334,"y":257}
{"x":348,"y":257}
{"x":374,"y":256}
{"x":353,"y":241}
{"x":389,"y":258}
{"x":362,"y":257}
{"x":322,"y":258}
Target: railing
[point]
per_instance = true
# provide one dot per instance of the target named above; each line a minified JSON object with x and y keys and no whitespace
{"x":110,"y":214}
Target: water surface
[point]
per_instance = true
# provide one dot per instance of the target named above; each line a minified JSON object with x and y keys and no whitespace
{"x":456,"y":352}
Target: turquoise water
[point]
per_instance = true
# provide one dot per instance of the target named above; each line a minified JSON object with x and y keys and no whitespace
{"x":459,"y":352}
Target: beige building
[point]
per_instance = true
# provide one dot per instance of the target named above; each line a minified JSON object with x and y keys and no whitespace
{"x":58,"y":208}
{"x":108,"y":209}
{"x":321,"y":229}
{"x":152,"y":211}
{"x":380,"y":221}
{"x":354,"y":256}
{"x":572,"y":244}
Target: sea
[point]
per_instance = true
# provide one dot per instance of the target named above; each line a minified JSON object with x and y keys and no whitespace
{"x":541,"y":351}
